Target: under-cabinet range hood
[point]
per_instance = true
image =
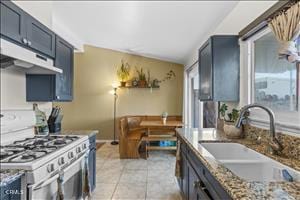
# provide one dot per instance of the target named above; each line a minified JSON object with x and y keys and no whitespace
{"x":14,"y":55}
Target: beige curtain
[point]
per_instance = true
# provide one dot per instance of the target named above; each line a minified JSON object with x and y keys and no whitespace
{"x":286,"y":27}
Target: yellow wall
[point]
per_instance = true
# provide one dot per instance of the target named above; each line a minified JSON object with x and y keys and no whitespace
{"x":95,"y":71}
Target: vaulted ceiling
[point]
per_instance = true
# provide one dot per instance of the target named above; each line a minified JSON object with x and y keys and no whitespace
{"x":166,"y":30}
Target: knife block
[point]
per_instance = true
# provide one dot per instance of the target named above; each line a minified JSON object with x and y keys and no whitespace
{"x":54,"y":127}
{"x":54,"y":124}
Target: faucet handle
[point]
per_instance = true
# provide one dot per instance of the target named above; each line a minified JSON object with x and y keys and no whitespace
{"x":276,"y":146}
{"x":258,"y":140}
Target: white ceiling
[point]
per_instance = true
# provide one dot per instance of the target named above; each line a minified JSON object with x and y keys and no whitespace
{"x":166,"y":30}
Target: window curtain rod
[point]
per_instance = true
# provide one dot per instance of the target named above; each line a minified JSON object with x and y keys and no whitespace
{"x":262,"y":21}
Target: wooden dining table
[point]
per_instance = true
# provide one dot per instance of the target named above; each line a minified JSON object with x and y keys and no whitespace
{"x":159,"y":123}
{"x":164,"y":132}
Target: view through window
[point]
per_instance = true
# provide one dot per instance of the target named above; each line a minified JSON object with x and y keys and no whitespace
{"x":276,"y":81}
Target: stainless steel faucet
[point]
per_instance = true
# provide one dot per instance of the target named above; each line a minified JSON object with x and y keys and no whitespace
{"x":276,"y":146}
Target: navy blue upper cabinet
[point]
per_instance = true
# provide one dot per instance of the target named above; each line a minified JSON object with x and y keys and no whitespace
{"x":13,"y":22}
{"x":219,"y":69}
{"x":64,"y":60}
{"x":39,"y":37}
{"x":19,"y":27}
{"x":57,"y":87}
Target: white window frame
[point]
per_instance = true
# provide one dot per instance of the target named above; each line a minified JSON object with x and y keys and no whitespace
{"x":192,"y":70}
{"x":258,"y":117}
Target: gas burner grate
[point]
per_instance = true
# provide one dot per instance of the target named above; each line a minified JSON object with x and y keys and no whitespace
{"x":33,"y":148}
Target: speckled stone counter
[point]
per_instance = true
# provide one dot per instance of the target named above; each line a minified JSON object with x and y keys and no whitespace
{"x":236,"y":187}
{"x":80,"y":132}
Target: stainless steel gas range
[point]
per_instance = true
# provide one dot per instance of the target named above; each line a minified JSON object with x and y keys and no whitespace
{"x":55,"y":165}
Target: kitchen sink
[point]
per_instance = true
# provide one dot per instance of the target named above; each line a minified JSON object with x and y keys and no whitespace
{"x":249,"y":164}
{"x":232,"y":152}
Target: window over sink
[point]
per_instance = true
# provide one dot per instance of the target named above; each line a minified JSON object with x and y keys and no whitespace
{"x":274,"y":82}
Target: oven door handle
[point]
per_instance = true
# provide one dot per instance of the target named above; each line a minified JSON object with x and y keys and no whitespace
{"x":79,"y":159}
{"x":44,"y":183}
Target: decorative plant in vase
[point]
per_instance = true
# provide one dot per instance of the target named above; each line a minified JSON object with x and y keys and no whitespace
{"x":164,"y":117}
{"x":123,"y":73}
{"x":222,"y":113}
{"x":229,"y":126}
{"x":141,"y":76}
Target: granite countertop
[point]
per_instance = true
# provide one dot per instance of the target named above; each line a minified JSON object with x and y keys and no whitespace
{"x":236,"y":187}
{"x":79,"y":132}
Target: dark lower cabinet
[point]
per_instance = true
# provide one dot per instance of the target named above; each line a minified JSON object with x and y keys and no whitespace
{"x":196,"y":188}
{"x":184,"y":172}
{"x":12,"y":190}
{"x":196,"y":181}
{"x":92,"y":162}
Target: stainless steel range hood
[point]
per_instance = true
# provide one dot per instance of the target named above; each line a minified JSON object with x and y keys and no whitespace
{"x":14,"y":55}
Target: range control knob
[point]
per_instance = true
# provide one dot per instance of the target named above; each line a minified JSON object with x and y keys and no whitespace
{"x":61,"y":161}
{"x":70,"y":155}
{"x":78,"y":149}
{"x":50,"y":167}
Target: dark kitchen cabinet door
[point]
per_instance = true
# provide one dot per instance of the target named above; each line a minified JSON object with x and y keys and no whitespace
{"x":184,"y":175}
{"x":13,"y":22}
{"x":39,"y":37}
{"x":40,"y":87}
{"x":92,"y":161}
{"x":92,"y":168}
{"x":193,"y":181}
{"x":205,"y":72}
{"x":64,"y":60}
{"x":58,"y":87}
{"x":219,"y":69}
{"x":196,"y":188}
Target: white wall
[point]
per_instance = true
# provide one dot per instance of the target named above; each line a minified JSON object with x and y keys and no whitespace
{"x":44,"y":11}
{"x":41,"y":10}
{"x":242,"y":14}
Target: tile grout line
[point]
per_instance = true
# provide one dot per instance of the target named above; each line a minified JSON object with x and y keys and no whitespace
{"x":118,"y":182}
{"x":146,"y":181}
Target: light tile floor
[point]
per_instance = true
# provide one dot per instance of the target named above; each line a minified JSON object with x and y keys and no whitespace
{"x":135,"y":179}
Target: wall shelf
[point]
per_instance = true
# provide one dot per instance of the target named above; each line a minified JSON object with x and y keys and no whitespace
{"x":139,"y":87}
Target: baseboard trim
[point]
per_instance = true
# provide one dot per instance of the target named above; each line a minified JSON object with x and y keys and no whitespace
{"x":103,"y":141}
